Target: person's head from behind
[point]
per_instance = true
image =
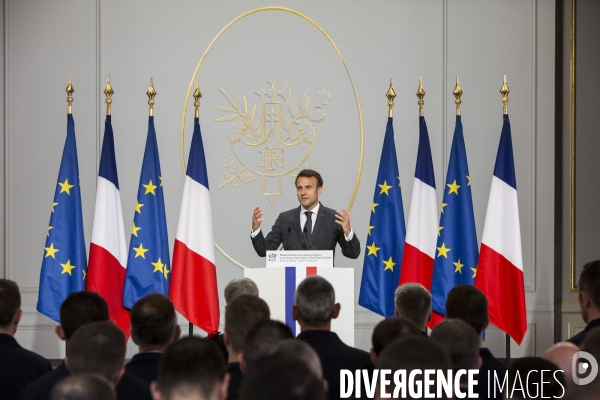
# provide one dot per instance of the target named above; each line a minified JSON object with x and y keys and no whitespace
{"x":389,"y":330}
{"x":467,"y":303}
{"x":260,"y":341}
{"x":413,"y":301}
{"x":153,"y":322}
{"x":281,"y":378}
{"x":539,"y":378}
{"x":412,"y":353}
{"x":241,"y":315}
{"x":589,"y":291}
{"x":191,"y":368}
{"x":239,"y":286}
{"x":315,"y":304}
{"x":460,"y":341}
{"x":300,"y":350}
{"x":561,"y":354}
{"x":309,"y":186}
{"x":10,"y":306}
{"x":78,"y":309}
{"x":98,"y":348}
{"x":83,"y":387}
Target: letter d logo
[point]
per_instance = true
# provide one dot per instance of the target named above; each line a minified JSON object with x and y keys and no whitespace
{"x":580,"y":367}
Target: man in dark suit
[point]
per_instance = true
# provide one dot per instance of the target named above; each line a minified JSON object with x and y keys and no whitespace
{"x":311,"y":226}
{"x":314,"y":309}
{"x":18,"y":366}
{"x":153,"y":327}
{"x":589,"y":299}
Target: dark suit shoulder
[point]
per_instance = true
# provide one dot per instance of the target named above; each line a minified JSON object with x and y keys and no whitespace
{"x":40,"y":388}
{"x":490,"y":367}
{"x":132,"y":388}
{"x":144,"y":366}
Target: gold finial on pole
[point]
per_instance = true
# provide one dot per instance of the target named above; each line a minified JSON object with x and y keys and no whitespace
{"x":420,"y":95}
{"x":457,"y":93}
{"x":108,"y":92}
{"x":197,"y":96}
{"x":70,"y":91}
{"x":504,"y":92}
{"x":390,"y":96}
{"x":151,"y":93}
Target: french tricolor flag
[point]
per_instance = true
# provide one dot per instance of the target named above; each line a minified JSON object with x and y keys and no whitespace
{"x":108,"y":252}
{"x":500,"y":270}
{"x":193,"y":277}
{"x":422,"y":228}
{"x":293,"y":277}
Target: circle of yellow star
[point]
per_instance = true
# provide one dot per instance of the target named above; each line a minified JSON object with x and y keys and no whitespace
{"x":373,"y":249}
{"x":384,"y":188}
{"x":135,"y":229}
{"x":50,"y":251}
{"x":469,"y":179}
{"x":160,"y":177}
{"x":158,"y":266}
{"x":49,"y":227}
{"x":140,"y":251}
{"x":453,"y":187}
{"x":150,"y":188}
{"x":65,"y":187}
{"x":54,"y":204}
{"x":474,"y":272}
{"x":166,"y":272}
{"x":373,"y":207}
{"x":389,"y":264}
{"x":138,"y":206}
{"x":443,"y":205}
{"x":84,"y":274}
{"x":67,"y":268}
{"x":440,"y":230}
{"x":443,"y":251}
{"x":370,"y":227}
{"x":458,"y":266}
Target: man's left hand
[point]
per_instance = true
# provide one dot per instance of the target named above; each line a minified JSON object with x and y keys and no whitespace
{"x":343,"y":218}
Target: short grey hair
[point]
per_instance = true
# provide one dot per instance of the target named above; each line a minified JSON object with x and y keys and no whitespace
{"x":413,"y":301}
{"x":315,"y":300}
{"x":238,"y":287}
{"x":301,"y":350}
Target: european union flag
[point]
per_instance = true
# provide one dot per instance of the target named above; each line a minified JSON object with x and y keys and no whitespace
{"x":385,"y":240}
{"x":457,"y":251}
{"x":148,"y":260}
{"x":65,"y":262}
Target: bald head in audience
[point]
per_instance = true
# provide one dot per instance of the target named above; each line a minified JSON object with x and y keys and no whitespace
{"x":84,"y":387}
{"x":561,"y":354}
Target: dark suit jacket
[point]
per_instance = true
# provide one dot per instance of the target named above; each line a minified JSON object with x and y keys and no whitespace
{"x":490,"y":364}
{"x":18,"y":367}
{"x":128,"y":388}
{"x":235,"y":381}
{"x":144,"y":366}
{"x":325,"y":234}
{"x":336,"y":355}
{"x":578,"y":339}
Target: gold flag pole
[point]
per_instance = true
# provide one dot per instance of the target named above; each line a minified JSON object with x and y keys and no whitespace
{"x":390,"y":96}
{"x":457,"y":93}
{"x":420,"y":95}
{"x":151,"y":93}
{"x":504,"y":91}
{"x":108,"y":92}
{"x":70,"y":91}
{"x":197,"y":96}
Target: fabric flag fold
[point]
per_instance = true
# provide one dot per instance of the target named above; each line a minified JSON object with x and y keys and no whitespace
{"x":64,"y":264}
{"x":421,"y":232}
{"x":194,"y":277}
{"x":148,"y":261}
{"x":108,"y":252}
{"x":385,"y":239}
{"x":457,"y":249}
{"x":500,"y":271}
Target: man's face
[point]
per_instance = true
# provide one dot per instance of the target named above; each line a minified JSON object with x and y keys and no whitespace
{"x":307,"y":191}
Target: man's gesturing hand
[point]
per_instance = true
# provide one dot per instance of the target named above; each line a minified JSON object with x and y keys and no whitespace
{"x":257,"y":218}
{"x":343,"y":218}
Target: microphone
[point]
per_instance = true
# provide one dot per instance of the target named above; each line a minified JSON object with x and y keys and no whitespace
{"x":282,"y":247}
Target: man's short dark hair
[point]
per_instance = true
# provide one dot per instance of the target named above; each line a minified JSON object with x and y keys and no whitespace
{"x":300,"y":350}
{"x":262,"y":338}
{"x":469,"y":304}
{"x":589,"y":280}
{"x":461,"y":342}
{"x":315,"y":301}
{"x":310,"y":173}
{"x":80,"y":308}
{"x":190,"y":365}
{"x":413,"y":301}
{"x":241,"y":315}
{"x":391,"y":329}
{"x":153,"y":321}
{"x":10,"y":301}
{"x":83,"y":387}
{"x":97,"y":347}
{"x":530,"y":372}
{"x":239,"y":286}
{"x":281,"y":378}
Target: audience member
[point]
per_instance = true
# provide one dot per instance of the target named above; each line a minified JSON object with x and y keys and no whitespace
{"x":413,"y":302}
{"x":153,"y":327}
{"x":589,"y":299}
{"x":314,"y":309}
{"x":467,"y":303}
{"x":99,"y":348}
{"x":260,"y":342}
{"x":561,"y":354}
{"x":18,"y":366}
{"x":527,"y":381}
{"x":302,"y":351}
{"x":234,"y":288}
{"x":78,"y":309}
{"x":241,"y":315}
{"x":191,"y":369}
{"x":412,"y":353}
{"x":281,"y":378}
{"x":83,"y":387}
{"x":389,"y":330}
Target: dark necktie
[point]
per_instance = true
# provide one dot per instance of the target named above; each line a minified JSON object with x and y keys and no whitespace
{"x":308,"y":225}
